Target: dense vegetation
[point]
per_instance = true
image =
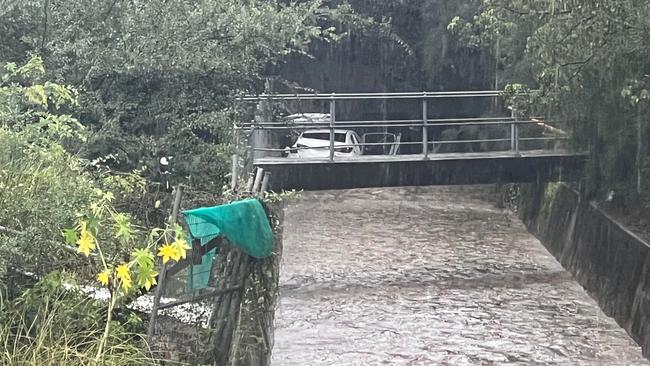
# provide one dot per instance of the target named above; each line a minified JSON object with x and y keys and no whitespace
{"x":157,"y":78}
{"x":45,"y":190}
{"x":589,"y":61}
{"x":91,"y":96}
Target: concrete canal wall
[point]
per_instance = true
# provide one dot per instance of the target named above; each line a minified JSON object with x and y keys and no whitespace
{"x":608,"y":260}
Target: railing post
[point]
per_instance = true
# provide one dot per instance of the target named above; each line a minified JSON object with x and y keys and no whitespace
{"x":259,"y":174}
{"x":512,"y":130}
{"x":332,"y":120}
{"x":251,"y":140}
{"x":514,"y":133}
{"x":234,"y":177}
{"x":425,"y":128}
{"x":517,"y":138}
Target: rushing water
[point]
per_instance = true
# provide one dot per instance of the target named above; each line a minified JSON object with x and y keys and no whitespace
{"x":430,"y":276}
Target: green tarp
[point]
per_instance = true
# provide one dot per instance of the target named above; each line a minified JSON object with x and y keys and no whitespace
{"x":243,"y":223}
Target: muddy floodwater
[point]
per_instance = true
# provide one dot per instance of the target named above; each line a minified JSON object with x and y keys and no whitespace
{"x":430,"y":276}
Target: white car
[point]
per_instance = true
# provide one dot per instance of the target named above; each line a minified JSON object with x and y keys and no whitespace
{"x":316,"y":144}
{"x":304,"y":118}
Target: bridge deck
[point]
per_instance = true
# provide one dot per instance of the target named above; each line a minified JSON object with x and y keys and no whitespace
{"x":413,"y":157}
{"x":414,"y":170}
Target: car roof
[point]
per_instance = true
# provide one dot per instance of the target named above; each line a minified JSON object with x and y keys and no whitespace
{"x":316,"y":117}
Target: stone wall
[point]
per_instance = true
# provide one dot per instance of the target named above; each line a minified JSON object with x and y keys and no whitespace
{"x":608,"y":260}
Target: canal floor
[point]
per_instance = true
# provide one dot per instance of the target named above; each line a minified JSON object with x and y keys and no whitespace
{"x":430,"y":276}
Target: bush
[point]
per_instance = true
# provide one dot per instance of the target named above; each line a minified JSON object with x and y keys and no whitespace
{"x":52,"y":324}
{"x":46,"y":196}
{"x":42,"y":189}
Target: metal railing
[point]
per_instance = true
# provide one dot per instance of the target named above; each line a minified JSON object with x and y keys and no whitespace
{"x":428,"y":143}
{"x":353,"y":96}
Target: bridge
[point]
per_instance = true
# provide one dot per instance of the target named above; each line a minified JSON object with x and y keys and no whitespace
{"x":427,"y":275}
{"x":429,"y":150}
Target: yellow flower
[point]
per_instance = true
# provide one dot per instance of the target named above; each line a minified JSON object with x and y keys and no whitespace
{"x":123,"y":274}
{"x":176,"y":251}
{"x":126,"y":284}
{"x":168,"y":251}
{"x":87,"y":241}
{"x":181,"y":248}
{"x":104,"y":277}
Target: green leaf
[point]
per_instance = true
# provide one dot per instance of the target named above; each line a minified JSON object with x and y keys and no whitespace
{"x":11,"y":67}
{"x":70,"y":235}
{"x":143,"y":258}
{"x":93,"y":223}
{"x":32,"y":69}
{"x":146,"y":277}
{"x":123,"y":228}
{"x":36,"y":95}
{"x":179,"y":234}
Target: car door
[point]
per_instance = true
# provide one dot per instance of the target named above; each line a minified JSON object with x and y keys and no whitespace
{"x":355,"y":141}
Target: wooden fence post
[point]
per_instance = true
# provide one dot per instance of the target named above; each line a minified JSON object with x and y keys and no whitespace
{"x":160,"y":289}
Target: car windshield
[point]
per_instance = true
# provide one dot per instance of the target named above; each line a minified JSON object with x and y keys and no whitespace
{"x":339,"y":137}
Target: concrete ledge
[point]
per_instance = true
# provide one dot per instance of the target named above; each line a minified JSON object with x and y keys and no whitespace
{"x":450,"y":170}
{"x":609,"y":261}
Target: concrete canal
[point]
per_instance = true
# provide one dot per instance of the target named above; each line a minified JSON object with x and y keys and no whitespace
{"x":430,"y":276}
